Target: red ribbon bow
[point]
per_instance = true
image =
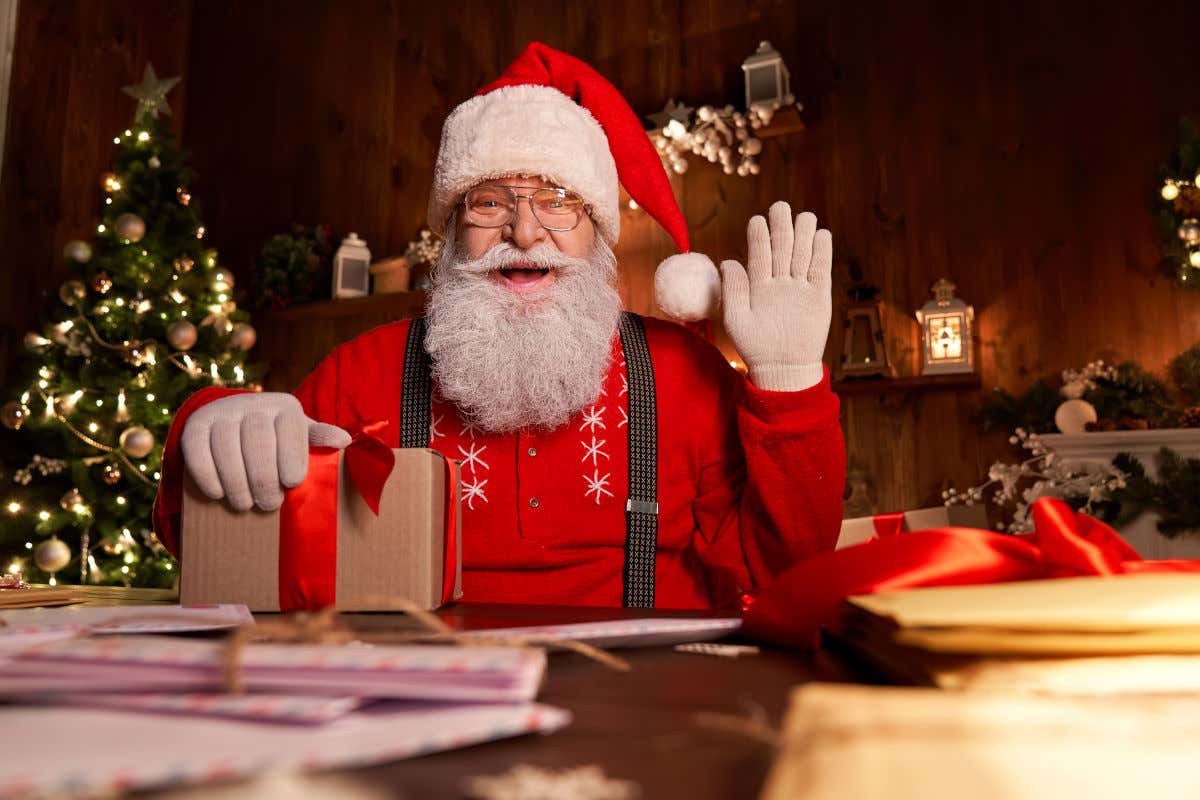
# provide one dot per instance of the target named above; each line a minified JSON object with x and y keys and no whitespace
{"x":807,"y":596}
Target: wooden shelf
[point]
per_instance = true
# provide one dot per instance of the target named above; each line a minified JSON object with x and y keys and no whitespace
{"x":911,"y":383}
{"x":373,"y":305}
{"x":786,"y":120}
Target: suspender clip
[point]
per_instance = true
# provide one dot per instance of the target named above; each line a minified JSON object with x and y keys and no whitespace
{"x":642,"y":506}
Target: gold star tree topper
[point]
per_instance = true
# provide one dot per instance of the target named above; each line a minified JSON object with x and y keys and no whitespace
{"x":151,"y":93}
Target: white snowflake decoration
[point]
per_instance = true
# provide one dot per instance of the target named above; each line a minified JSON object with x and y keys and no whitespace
{"x":526,"y":782}
{"x":592,"y":419}
{"x":596,"y":484}
{"x":594,"y":451}
{"x":473,"y":490}
{"x":471,"y":457}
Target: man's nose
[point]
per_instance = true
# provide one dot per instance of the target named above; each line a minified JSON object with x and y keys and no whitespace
{"x":525,"y":231}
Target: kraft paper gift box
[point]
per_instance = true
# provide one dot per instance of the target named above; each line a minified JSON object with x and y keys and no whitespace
{"x":326,"y":546}
{"x":862,"y":529}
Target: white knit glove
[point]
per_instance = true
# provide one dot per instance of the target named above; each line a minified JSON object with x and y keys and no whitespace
{"x":249,"y":447}
{"x":777,"y":312}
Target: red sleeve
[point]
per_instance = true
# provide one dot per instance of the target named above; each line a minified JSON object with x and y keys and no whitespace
{"x":770,"y":490}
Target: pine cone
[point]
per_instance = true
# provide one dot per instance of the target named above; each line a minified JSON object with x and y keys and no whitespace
{"x":1190,"y":417}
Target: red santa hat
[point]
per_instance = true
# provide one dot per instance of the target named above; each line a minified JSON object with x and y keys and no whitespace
{"x":553,"y":116}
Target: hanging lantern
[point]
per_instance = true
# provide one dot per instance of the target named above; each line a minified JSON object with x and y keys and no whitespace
{"x":351,"y":268}
{"x":946,"y":321}
{"x":768,"y":82}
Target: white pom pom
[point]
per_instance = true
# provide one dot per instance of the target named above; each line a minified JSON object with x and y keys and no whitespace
{"x":687,"y":286}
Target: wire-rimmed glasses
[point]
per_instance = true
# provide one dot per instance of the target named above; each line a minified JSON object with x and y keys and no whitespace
{"x":494,"y":205}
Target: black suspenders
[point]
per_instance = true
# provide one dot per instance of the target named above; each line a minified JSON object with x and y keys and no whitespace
{"x":641,"y":508}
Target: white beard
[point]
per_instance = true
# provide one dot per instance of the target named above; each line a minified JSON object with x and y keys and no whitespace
{"x":511,"y":361}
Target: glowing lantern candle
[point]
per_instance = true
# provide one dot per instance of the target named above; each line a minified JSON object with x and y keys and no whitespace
{"x":946,"y":334}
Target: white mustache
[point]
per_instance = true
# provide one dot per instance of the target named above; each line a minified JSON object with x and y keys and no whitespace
{"x":505,"y":255}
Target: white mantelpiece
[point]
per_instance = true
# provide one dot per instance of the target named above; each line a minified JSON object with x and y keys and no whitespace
{"x":1103,"y":447}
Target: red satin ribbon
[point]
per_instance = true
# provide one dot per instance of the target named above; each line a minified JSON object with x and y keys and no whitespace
{"x":308,"y":520}
{"x":888,"y":525}
{"x":793,"y":608}
{"x":450,"y":553}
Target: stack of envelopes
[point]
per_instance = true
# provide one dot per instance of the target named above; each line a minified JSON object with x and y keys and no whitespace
{"x":1128,"y":633}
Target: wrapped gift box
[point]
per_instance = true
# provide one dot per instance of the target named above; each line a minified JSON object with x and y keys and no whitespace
{"x":862,"y":529}
{"x":327,"y":546}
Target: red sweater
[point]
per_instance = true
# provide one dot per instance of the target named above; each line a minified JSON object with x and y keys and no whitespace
{"x":749,"y":481}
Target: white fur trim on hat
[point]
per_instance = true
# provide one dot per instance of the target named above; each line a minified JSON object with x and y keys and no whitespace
{"x":687,"y":286}
{"x":526,"y":130}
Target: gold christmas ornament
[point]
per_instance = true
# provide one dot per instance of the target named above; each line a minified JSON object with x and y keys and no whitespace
{"x":72,"y":498}
{"x":71,"y":292}
{"x":102,"y":283}
{"x":77,"y":251}
{"x":181,"y":335}
{"x":1189,"y":230}
{"x":184,"y":264}
{"x":13,"y":414}
{"x":130,"y":227}
{"x":137,"y":441}
{"x":243,"y":336}
{"x":111,"y":474}
{"x":52,"y":555}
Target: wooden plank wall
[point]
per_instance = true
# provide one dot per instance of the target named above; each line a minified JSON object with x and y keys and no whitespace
{"x":1013,"y":150}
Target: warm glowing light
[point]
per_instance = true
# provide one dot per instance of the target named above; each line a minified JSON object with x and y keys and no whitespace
{"x":1170,"y":190}
{"x":93,"y":427}
{"x":150,"y":397}
{"x":116,"y":140}
{"x":633,"y":206}
{"x":125,"y":570}
{"x":121,"y":501}
{"x":200,"y":232}
{"x":52,"y":581}
{"x":167,"y":566}
{"x":43,"y":515}
{"x":1194,"y":258}
{"x":43,"y":383}
{"x":239,"y":374}
{"x":14,"y":507}
{"x":120,"y":301}
{"x":128,"y":132}
{"x":144,"y":136}
{"x":80,"y":508}
{"x":14,"y":568}
{"x":111,"y":183}
{"x":157,"y":475}
{"x":100,"y":228}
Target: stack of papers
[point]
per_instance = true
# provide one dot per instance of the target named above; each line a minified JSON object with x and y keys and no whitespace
{"x":873,"y":743}
{"x":142,"y":711}
{"x":1127,"y":633}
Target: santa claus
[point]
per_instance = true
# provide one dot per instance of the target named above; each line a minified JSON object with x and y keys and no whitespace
{"x":607,"y":459}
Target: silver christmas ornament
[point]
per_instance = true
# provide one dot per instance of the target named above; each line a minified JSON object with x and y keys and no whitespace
{"x":131,"y":227}
{"x":137,"y":442}
{"x":77,"y":251}
{"x":72,"y":498}
{"x":13,"y":414}
{"x":52,"y":555}
{"x":181,"y":335}
{"x":71,"y":292}
{"x":243,"y":336}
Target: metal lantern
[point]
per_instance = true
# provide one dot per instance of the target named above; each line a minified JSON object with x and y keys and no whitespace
{"x":768,"y":81}
{"x":351,"y":268}
{"x":864,"y":350}
{"x":946,"y":335}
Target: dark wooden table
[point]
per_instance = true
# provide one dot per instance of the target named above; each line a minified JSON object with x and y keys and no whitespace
{"x":637,"y":726}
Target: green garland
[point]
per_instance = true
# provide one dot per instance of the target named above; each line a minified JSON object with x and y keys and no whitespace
{"x":1131,"y":395}
{"x":1175,"y":495}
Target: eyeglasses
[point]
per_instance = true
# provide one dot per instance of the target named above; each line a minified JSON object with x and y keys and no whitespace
{"x":494,"y":205}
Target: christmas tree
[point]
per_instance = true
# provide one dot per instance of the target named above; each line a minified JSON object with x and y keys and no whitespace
{"x":149,"y":320}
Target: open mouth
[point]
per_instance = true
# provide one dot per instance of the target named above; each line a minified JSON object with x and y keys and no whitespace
{"x":523,"y":279}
